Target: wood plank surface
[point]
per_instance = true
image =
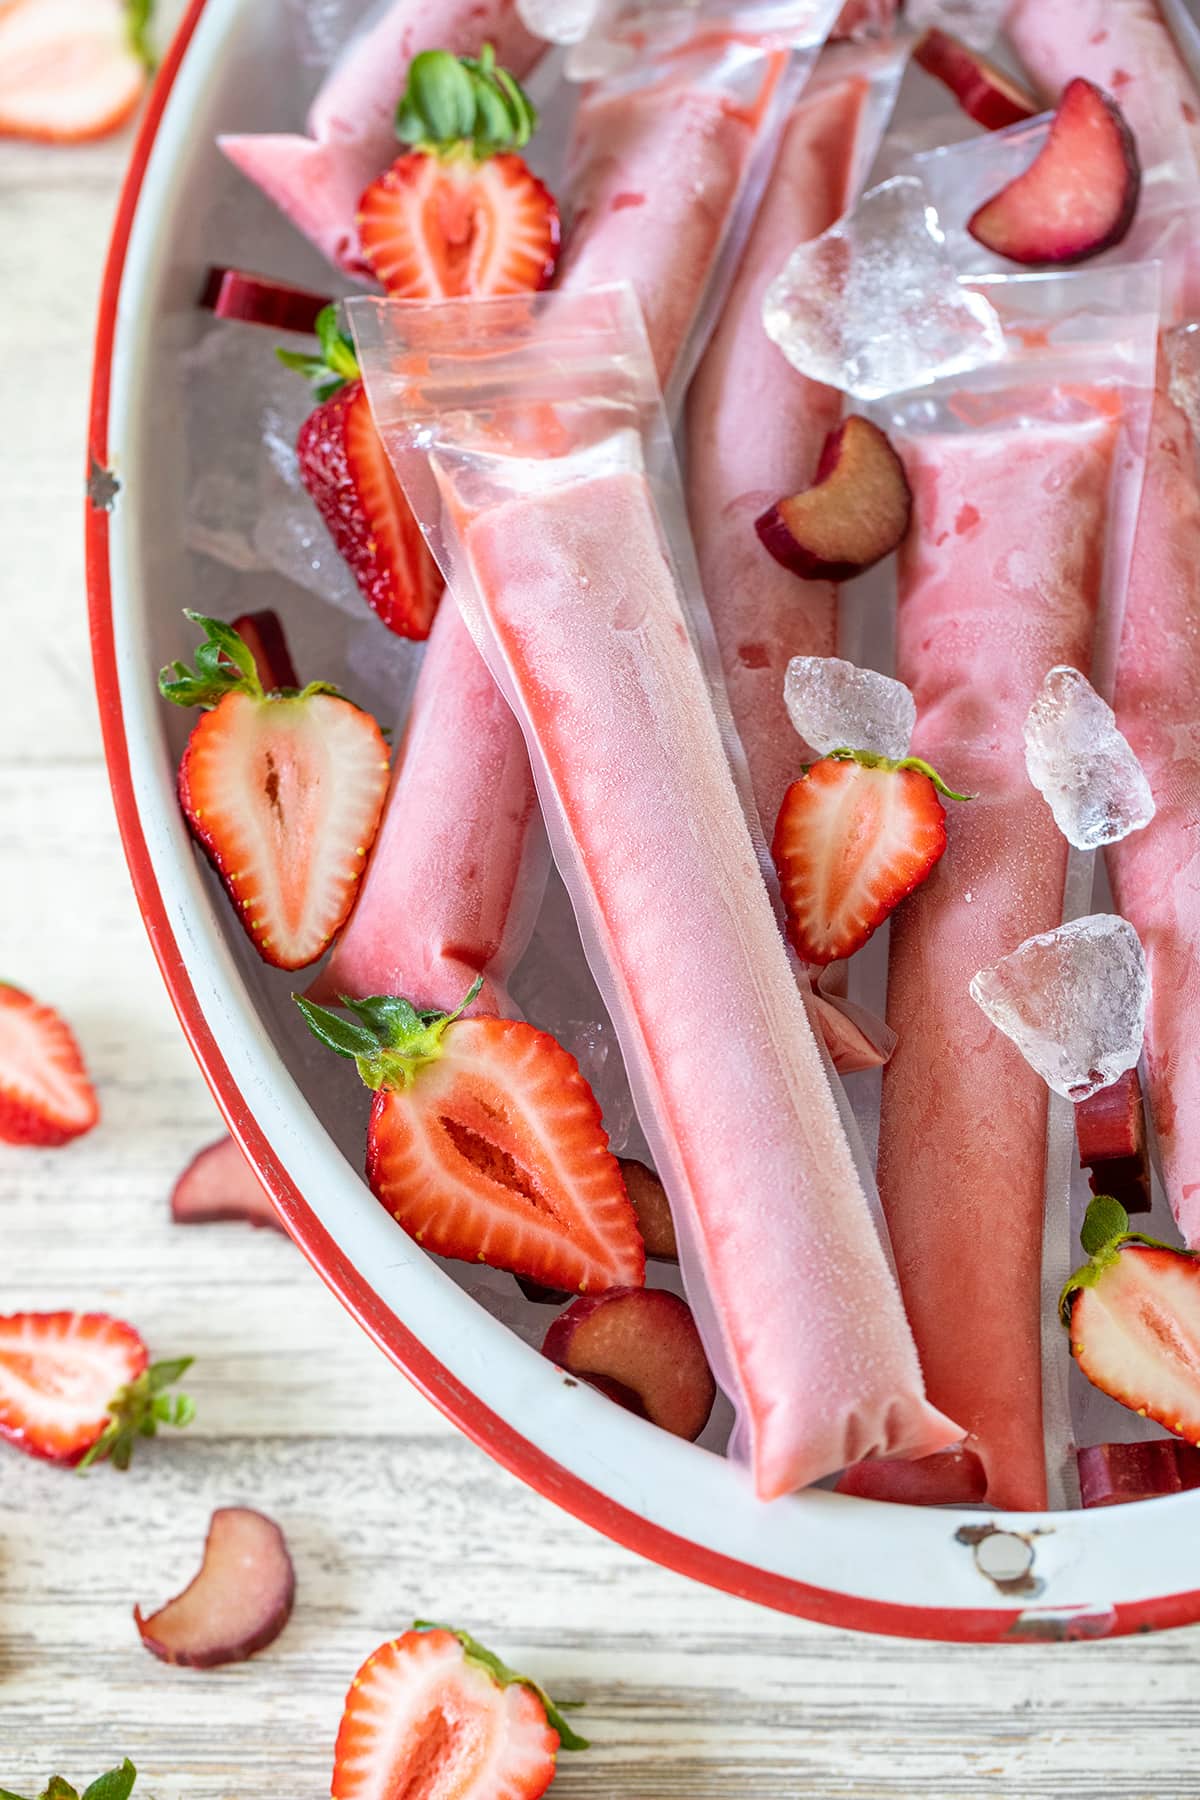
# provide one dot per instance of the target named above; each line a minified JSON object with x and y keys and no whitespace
{"x":691,"y":1695}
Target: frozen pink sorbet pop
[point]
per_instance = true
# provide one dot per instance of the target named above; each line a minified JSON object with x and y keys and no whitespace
{"x":998,"y":581}
{"x":318,"y":180}
{"x":577,"y":589}
{"x":1156,"y":872}
{"x":755,"y":431}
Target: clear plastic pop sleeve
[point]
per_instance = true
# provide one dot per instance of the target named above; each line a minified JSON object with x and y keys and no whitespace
{"x":1026,"y":475}
{"x":533,"y":446}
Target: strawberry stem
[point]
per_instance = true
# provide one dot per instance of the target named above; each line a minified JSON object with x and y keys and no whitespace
{"x":117,"y":1784}
{"x":504,"y":1677}
{"x":388,"y":1038}
{"x":137,"y":1410}
{"x":1104,"y":1234}
{"x":138,"y":14}
{"x":335,"y":363}
{"x":224,"y":665}
{"x":457,"y":103}
{"x":871,"y":759}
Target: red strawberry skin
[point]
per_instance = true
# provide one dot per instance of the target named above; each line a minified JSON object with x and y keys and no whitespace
{"x":1135,"y":1333}
{"x":434,"y":228}
{"x":46,"y":1097}
{"x":496,"y":1153}
{"x":346,"y":471}
{"x":850,"y":843}
{"x":421,"y":1723}
{"x":284,"y":796}
{"x":58,"y":1371}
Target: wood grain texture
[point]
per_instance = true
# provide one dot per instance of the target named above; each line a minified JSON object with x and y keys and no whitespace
{"x":691,"y":1695}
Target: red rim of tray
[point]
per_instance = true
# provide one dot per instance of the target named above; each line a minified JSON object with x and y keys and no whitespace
{"x":484,"y":1427}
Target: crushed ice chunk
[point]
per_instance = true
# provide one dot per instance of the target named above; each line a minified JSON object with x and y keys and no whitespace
{"x":558,"y":21}
{"x":976,"y":22}
{"x":834,"y":705}
{"x":873,"y":305}
{"x":1073,"y":1001}
{"x":1082,"y":765}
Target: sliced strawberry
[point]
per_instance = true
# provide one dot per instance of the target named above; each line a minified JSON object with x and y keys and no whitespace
{"x":433,"y":229}
{"x":1079,"y":195}
{"x":45,"y":1095}
{"x":262,"y":634}
{"x":855,"y":834}
{"x":68,"y":71}
{"x":434,"y":1716}
{"x":353,"y":486}
{"x":284,"y":794}
{"x":985,"y":93}
{"x":77,"y":1388}
{"x":219,"y":1184}
{"x":461,"y":213}
{"x":486,"y":1143}
{"x":1133,"y":1312}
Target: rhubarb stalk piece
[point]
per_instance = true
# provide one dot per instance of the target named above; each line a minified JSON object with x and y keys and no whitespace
{"x":1110,"y":1126}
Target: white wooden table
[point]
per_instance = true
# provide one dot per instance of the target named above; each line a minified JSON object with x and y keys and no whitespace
{"x":389,"y":1512}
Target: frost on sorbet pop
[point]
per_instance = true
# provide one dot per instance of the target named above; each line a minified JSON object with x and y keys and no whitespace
{"x":873,"y":305}
{"x":1082,"y":765}
{"x":1073,"y":1001}
{"x":834,"y":704}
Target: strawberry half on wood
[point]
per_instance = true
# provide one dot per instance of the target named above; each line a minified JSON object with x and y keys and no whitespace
{"x":115,"y":1784}
{"x":1133,"y":1313}
{"x":461,"y":213}
{"x":855,"y":834}
{"x":69,"y":71}
{"x":46,"y":1097}
{"x":347,"y":474}
{"x":283,"y":791}
{"x":80,"y":1387}
{"x":486,"y":1143}
{"x":434,"y":1714}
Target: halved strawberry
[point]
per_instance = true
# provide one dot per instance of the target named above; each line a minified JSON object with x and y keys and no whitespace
{"x":353,"y":486}
{"x":1080,"y":193}
{"x":282,"y":791}
{"x":1133,"y":1312}
{"x":486,"y":1143}
{"x":855,"y":834}
{"x":70,"y":71}
{"x":434,"y":1716}
{"x":461,"y":213}
{"x":79,"y":1387}
{"x":45,"y":1095}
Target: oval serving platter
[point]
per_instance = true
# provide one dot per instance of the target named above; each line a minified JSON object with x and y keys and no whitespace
{"x":937,"y":1573}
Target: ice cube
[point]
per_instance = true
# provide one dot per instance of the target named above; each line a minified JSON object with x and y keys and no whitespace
{"x":976,"y":22}
{"x":835,"y":705}
{"x":558,"y":21}
{"x":322,"y":28}
{"x":1082,"y":765}
{"x":873,"y":305}
{"x":1073,"y":1001}
{"x":245,"y":504}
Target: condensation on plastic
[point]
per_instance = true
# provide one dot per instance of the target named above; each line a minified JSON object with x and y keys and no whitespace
{"x":1074,"y":342}
{"x":960,"y":177}
{"x":498,"y":379}
{"x":756,"y":58}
